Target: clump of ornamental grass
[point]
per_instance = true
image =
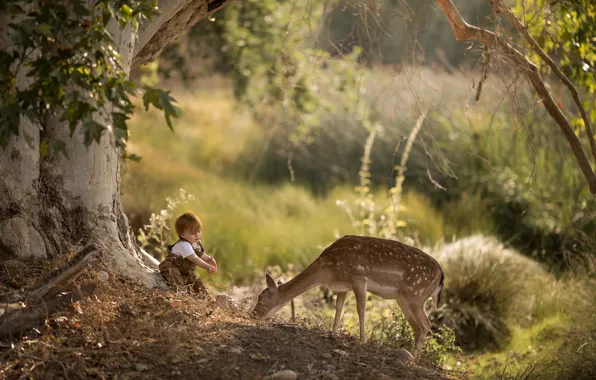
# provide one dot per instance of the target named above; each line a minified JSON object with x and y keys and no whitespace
{"x":486,"y":286}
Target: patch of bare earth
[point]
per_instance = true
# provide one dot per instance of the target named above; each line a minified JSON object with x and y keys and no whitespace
{"x":125,"y":331}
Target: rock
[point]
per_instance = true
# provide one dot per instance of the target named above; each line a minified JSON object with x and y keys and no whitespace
{"x":173,"y":317}
{"x":235,"y":350}
{"x":403,"y":355}
{"x":341,"y":353}
{"x":225,"y":301}
{"x":326,"y":355}
{"x":103,"y":276}
{"x":282,"y":375}
{"x":21,"y":240}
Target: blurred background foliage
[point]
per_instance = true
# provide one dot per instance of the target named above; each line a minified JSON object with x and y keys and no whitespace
{"x":297,"y":127}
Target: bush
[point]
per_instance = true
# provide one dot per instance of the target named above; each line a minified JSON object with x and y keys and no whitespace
{"x":486,"y":287}
{"x":397,"y":333}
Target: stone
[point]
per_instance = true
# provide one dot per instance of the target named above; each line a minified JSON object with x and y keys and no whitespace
{"x":235,"y":350}
{"x":103,"y":276}
{"x":326,"y":355}
{"x":225,"y":301}
{"x":341,"y":353}
{"x":403,"y":355}
{"x":282,"y":375}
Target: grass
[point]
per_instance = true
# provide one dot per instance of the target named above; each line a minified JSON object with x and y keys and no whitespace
{"x":247,"y":225}
{"x":508,"y":308}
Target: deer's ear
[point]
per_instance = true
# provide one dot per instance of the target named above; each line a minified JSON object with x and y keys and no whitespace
{"x":270,"y":282}
{"x":281,"y":281}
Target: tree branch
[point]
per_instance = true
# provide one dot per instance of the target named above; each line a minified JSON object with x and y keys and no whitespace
{"x":464,"y":31}
{"x":554,"y":67}
{"x":176,"y":17}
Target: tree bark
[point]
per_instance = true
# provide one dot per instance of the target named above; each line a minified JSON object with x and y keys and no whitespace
{"x":49,"y":206}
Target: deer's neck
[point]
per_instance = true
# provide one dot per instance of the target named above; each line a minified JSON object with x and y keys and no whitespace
{"x":303,"y":282}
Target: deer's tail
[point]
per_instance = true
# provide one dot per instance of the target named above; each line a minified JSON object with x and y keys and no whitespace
{"x":437,"y":293}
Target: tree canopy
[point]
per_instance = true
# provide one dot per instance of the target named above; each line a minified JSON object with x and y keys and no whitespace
{"x":73,"y":68}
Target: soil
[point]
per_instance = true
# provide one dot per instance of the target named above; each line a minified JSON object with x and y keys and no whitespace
{"x":125,"y":331}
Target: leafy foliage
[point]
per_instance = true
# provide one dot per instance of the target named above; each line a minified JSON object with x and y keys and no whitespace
{"x":274,"y":62}
{"x":566,"y":30}
{"x":439,"y":343}
{"x":72,"y":67}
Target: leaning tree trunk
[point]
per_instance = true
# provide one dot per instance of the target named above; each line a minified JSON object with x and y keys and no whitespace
{"x":49,"y":206}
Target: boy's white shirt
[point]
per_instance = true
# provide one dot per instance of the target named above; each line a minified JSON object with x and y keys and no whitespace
{"x":185,"y":249}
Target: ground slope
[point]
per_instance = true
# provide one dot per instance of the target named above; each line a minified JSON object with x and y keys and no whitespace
{"x":125,"y":331}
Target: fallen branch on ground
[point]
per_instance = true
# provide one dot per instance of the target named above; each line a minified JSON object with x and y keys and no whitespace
{"x":22,"y":311}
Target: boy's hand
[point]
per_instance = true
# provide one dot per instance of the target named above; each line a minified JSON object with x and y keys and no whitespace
{"x":212,"y":262}
{"x":212,"y":269}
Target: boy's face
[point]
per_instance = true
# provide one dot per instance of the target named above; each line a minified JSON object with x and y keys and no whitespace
{"x":192,"y":237}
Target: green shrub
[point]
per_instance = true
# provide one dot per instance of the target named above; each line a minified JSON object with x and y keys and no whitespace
{"x":486,"y":287}
{"x":397,"y":333}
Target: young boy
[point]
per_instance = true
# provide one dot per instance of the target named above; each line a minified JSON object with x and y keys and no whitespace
{"x":185,"y":255}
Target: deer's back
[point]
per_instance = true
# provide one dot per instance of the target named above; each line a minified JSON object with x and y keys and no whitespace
{"x":378,"y":259}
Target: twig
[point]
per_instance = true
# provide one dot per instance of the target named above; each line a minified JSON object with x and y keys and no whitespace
{"x":484,"y":76}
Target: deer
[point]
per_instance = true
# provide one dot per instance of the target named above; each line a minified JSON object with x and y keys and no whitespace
{"x":386,"y":268}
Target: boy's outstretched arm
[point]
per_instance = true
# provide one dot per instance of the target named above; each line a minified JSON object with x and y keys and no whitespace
{"x":195,"y":259}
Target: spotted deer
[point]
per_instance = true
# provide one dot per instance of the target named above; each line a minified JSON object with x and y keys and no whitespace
{"x":386,"y":268}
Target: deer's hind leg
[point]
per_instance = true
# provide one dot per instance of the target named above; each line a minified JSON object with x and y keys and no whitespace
{"x":417,"y":318}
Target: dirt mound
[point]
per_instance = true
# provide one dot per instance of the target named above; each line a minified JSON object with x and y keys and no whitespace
{"x":125,"y":331}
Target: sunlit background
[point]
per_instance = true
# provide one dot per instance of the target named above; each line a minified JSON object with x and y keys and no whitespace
{"x":302,"y":121}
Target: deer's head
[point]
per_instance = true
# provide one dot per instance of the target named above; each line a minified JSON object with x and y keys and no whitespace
{"x":270,"y":299}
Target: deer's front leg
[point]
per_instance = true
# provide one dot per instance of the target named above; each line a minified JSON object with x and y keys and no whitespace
{"x":339,"y":305}
{"x":360,"y":292}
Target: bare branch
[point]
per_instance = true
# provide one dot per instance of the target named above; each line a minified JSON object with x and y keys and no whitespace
{"x":176,"y":17}
{"x":464,"y":31}
{"x":554,"y":67}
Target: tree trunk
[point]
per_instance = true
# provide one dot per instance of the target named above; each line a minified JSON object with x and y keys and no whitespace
{"x":47,"y":207}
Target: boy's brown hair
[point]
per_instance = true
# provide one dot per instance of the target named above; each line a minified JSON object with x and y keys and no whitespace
{"x":187,"y":221}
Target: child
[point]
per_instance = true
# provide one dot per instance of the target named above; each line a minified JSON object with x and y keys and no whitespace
{"x":185,"y":255}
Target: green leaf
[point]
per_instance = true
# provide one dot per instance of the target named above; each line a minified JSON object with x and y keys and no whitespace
{"x":44,"y":29}
{"x":132,"y":157}
{"x":59,"y":147}
{"x":126,"y":11}
{"x":43,"y":150}
{"x":120,"y":128}
{"x":92,"y":131}
{"x":166,"y":102}
{"x":151,"y":96}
